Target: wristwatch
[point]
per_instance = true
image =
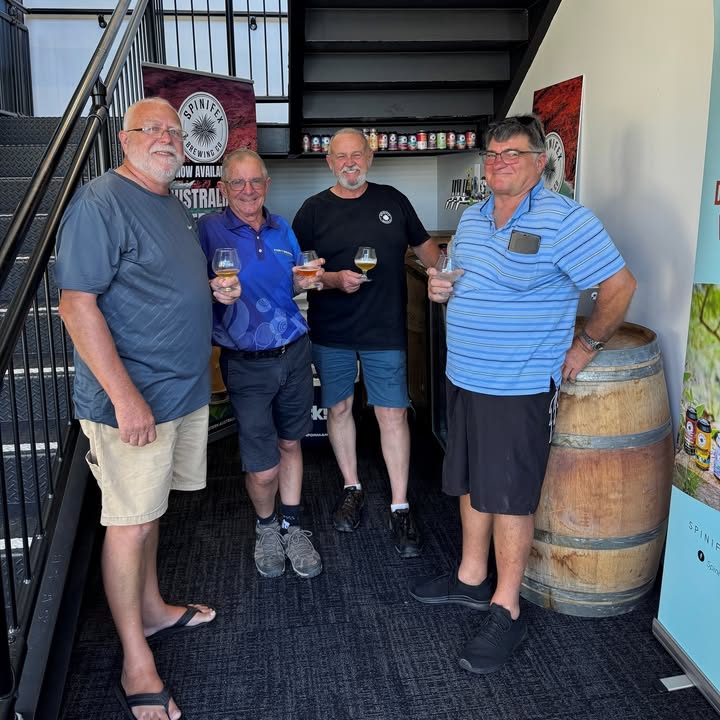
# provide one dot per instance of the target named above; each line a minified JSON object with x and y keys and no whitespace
{"x":594,"y":345}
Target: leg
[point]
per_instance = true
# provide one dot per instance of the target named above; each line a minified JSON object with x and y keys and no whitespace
{"x":341,"y":431}
{"x":476,"y":533}
{"x":262,"y":487}
{"x":395,"y":441}
{"x":125,"y":558}
{"x":513,"y":535}
{"x":290,"y":471}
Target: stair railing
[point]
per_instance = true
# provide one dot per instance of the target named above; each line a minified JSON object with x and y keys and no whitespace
{"x":40,"y":519}
{"x":15,"y":85}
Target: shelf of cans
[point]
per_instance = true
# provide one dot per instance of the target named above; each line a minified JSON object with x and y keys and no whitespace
{"x":400,"y":141}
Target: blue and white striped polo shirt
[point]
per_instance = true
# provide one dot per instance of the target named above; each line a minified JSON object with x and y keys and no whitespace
{"x":511,"y":317}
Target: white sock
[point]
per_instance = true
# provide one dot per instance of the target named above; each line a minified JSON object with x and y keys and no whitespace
{"x":399,"y":506}
{"x":357,"y":486}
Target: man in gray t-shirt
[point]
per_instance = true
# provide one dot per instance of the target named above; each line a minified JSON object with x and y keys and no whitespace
{"x":136,"y":303}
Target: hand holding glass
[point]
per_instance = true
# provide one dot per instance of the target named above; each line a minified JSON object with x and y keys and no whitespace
{"x":307,"y":267}
{"x":447,"y":271}
{"x":366,"y":259}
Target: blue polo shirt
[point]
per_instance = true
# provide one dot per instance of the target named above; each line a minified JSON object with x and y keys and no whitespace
{"x":266,"y":316}
{"x":511,"y":317}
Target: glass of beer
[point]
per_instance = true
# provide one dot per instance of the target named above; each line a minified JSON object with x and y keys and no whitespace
{"x":307,"y":267}
{"x":226,"y":263}
{"x":366,"y":259}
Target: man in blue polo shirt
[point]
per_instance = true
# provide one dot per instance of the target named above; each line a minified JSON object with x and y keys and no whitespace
{"x":265,"y":360}
{"x":526,"y":253}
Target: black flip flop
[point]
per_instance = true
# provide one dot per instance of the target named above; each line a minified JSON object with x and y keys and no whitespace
{"x":181,"y":624}
{"x":159,"y":699}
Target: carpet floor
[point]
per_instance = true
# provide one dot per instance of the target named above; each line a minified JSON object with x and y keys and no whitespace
{"x":351,"y":644}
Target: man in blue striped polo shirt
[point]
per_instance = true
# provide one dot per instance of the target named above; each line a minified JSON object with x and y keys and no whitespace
{"x":526,"y":253}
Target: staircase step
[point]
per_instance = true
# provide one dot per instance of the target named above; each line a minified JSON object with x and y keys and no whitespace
{"x":13,"y":190}
{"x":21,"y":161}
{"x":52,"y":385}
{"x":32,"y":130}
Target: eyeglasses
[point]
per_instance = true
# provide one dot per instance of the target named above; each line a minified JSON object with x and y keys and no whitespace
{"x":509,"y":157}
{"x":155,"y":131}
{"x":239,"y":184}
{"x":355,"y":157}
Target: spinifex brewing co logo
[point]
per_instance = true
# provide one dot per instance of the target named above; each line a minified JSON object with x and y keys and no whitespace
{"x":205,"y":121}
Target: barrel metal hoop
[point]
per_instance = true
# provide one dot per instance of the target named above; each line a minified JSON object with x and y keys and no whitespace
{"x":628,"y":356}
{"x":590,"y":374}
{"x":613,"y":543}
{"x":584,"y":604}
{"x":613,"y":442}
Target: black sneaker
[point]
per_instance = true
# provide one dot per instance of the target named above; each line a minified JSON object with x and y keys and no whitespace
{"x":347,"y":510}
{"x":405,"y":533}
{"x":446,"y":588}
{"x":495,"y":643}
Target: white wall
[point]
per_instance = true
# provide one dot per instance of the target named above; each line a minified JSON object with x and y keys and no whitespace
{"x":647,"y":66}
{"x":295,"y":180}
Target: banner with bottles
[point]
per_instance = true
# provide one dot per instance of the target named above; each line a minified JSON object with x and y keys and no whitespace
{"x":688,"y":621}
{"x":218,"y":114}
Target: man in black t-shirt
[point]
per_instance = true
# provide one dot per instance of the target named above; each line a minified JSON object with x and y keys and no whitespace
{"x":355,"y":316}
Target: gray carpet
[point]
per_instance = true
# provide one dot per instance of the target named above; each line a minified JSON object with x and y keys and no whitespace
{"x":351,"y":644}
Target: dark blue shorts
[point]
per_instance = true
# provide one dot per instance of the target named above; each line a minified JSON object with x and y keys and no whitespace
{"x":272,"y":399}
{"x":498,"y":448}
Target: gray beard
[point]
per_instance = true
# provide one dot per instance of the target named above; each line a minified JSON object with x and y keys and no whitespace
{"x":351,"y":185}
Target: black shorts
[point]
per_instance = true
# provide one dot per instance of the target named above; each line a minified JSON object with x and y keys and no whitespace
{"x":498,"y":448}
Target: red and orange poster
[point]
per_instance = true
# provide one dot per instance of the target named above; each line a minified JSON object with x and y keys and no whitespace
{"x":218,"y":114}
{"x":559,"y":107}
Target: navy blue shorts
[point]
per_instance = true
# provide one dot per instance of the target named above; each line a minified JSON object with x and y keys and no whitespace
{"x":498,"y":448}
{"x":272,"y":399}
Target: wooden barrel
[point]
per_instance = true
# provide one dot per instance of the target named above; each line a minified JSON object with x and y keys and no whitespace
{"x":600,"y":525}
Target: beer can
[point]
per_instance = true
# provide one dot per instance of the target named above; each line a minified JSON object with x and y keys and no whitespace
{"x":306,"y":143}
{"x":460,"y":141}
{"x":392,"y":141}
{"x":703,"y":442}
{"x":441,"y":141}
{"x":402,"y":142}
{"x":422,"y":140}
{"x":412,"y":142}
{"x":432,"y":140}
{"x":451,"y":140}
{"x":325,"y":143}
{"x":373,"y":139}
{"x":470,"y":139}
{"x":315,"y":144}
{"x":383,"y":141}
{"x":690,"y":430}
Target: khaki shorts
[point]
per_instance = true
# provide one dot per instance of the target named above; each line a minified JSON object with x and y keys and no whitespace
{"x":135,"y":482}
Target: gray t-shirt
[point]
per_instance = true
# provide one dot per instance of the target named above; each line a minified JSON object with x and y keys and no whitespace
{"x":139,"y":253}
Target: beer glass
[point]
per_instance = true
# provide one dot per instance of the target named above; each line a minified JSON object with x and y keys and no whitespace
{"x":365,"y":259}
{"x":225,"y":262}
{"x":307,"y":269}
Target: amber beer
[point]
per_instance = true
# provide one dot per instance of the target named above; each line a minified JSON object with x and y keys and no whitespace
{"x":226,"y":273}
{"x":366,"y":265}
{"x":307,"y":270}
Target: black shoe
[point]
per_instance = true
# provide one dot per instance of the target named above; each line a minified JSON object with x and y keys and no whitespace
{"x":405,"y":533}
{"x":446,"y":588}
{"x":347,"y":510}
{"x":495,"y":643}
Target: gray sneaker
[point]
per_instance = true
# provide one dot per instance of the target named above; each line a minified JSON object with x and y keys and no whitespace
{"x":304,"y":558}
{"x":269,"y":550}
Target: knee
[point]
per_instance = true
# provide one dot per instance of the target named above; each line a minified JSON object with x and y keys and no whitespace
{"x":391,"y":418}
{"x":288,"y":447}
{"x":129,"y":534}
{"x":263,"y":478}
{"x":341,"y":410}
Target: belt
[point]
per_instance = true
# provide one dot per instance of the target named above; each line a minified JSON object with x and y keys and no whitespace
{"x":263,"y":354}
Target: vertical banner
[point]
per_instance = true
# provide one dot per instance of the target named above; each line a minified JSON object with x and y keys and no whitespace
{"x":688,"y":622}
{"x":218,"y":114}
{"x":559,"y":107}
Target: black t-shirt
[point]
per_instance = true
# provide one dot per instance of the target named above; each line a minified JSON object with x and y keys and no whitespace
{"x":373,"y":318}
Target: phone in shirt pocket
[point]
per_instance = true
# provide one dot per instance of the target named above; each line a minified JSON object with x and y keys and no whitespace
{"x":524,"y":243}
